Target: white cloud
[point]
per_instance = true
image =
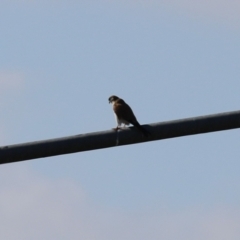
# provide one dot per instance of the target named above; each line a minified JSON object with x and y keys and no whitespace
{"x":35,"y":207}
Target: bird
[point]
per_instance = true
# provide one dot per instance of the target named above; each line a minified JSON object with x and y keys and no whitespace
{"x":124,"y":114}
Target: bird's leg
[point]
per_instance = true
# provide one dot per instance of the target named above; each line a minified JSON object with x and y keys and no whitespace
{"x":117,"y":128}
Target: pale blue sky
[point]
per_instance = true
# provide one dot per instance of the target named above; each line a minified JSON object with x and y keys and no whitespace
{"x":60,"y":61}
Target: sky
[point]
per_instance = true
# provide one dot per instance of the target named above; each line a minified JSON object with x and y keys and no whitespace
{"x":59,"y":63}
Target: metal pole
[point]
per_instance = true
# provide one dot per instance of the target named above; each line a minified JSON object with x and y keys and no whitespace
{"x":111,"y":138}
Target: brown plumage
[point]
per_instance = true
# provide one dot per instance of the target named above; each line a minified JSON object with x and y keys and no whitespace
{"x":125,"y":115}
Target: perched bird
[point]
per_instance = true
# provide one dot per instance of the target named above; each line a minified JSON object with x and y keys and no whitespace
{"x":124,"y":114}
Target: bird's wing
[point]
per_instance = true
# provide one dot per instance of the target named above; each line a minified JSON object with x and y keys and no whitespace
{"x":123,"y":111}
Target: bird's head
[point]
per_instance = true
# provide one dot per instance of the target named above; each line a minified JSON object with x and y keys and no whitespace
{"x":112,"y":99}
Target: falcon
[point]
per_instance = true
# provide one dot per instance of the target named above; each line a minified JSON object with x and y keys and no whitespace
{"x":124,"y":114}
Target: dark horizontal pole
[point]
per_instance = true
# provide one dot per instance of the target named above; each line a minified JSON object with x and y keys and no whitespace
{"x":111,"y":138}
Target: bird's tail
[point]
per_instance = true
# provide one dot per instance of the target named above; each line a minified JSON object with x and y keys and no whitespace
{"x":144,"y":131}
